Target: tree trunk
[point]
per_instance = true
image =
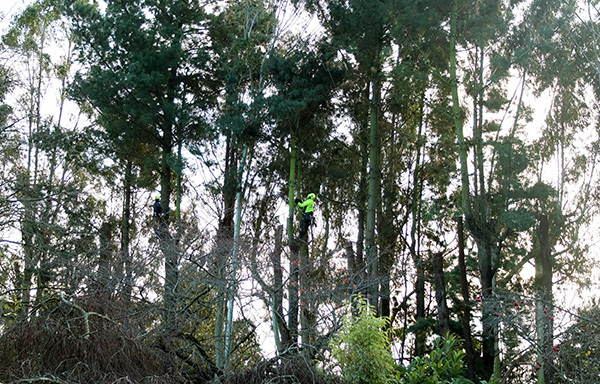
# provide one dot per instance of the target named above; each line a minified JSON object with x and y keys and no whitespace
{"x":484,"y":250}
{"x":293,"y":289}
{"x":484,"y":245}
{"x":362,"y":198}
{"x":167,"y":245}
{"x":420,"y":334}
{"x":440,"y":293}
{"x":224,"y":246}
{"x":292,"y":187}
{"x":229,"y":190}
{"x":414,"y":246}
{"x":280,"y":329}
{"x":464,"y":286}
{"x":544,"y":304}
{"x":220,"y":315}
{"x":307,"y":317}
{"x":234,"y":259}
{"x":102,"y":283}
{"x":127,"y":283}
{"x":374,"y":193}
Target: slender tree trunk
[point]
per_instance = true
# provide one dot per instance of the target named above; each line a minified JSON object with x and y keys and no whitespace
{"x":464,"y":286}
{"x":168,"y":247}
{"x":544,"y":304}
{"x":178,"y":190}
{"x":440,"y":293}
{"x":292,"y":187}
{"x":280,"y":328}
{"x":374,"y":193}
{"x":234,"y":259}
{"x":307,"y":316}
{"x":420,"y":335}
{"x":293,"y":289}
{"x":125,"y":236}
{"x":30,"y":258}
{"x":324,"y":250}
{"x":220,"y":315}
{"x":103,"y":276}
{"x":362,"y":199}
{"x":484,"y":250}
{"x":224,"y":246}
{"x":388,"y":235}
{"x":484,"y":245}
{"x":458,"y":115}
{"x":414,"y":246}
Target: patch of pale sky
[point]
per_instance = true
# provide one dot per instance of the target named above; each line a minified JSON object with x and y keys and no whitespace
{"x":9,"y":8}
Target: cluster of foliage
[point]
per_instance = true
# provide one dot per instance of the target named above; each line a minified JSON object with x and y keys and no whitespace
{"x":444,"y":364}
{"x":363,"y":349}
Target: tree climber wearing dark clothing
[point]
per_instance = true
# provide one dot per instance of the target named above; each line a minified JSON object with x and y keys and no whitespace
{"x":157,"y":210}
{"x":307,"y":217}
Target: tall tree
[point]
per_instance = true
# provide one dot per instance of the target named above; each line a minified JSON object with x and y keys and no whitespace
{"x":147,"y":66}
{"x":360,"y":30}
{"x":488,"y":190}
{"x":305,"y":80}
{"x":243,"y":35}
{"x":50,"y":221}
{"x":496,"y":190}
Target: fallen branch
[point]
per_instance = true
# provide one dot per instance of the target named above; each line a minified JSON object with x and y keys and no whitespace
{"x":49,"y":379}
{"x":86,"y":315}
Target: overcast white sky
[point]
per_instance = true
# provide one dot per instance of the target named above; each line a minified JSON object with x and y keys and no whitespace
{"x":8,"y":8}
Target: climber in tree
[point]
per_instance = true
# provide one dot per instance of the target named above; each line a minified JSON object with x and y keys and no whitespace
{"x":307,"y":217}
{"x":156,"y":207}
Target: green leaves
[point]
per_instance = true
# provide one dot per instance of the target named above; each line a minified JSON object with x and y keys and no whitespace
{"x":363,"y":348}
{"x":444,"y":365}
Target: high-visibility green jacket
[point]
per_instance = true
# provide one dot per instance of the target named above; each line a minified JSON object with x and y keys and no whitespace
{"x":307,"y":204}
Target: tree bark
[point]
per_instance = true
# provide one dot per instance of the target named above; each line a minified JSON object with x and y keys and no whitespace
{"x":293,"y":289}
{"x":127,"y":283}
{"x":476,"y":225}
{"x":374,"y":193}
{"x":440,"y":293}
{"x":232,"y":291}
{"x":544,"y":304}
{"x":362,"y":197}
{"x":307,"y":316}
{"x":464,"y":287}
{"x":280,"y":328}
{"x":420,"y":335}
{"x":167,"y":244}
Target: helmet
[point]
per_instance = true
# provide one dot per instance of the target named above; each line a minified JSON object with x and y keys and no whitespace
{"x":157,"y":197}
{"x":311,"y":196}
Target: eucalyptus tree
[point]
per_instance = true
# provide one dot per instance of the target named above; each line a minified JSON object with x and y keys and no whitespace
{"x":497,"y":191}
{"x":148,"y":71}
{"x":360,"y":31}
{"x":564,"y":171}
{"x":9,"y":153}
{"x":243,"y":35}
{"x":304,"y":80}
{"x":53,"y":167}
{"x":420,"y":153}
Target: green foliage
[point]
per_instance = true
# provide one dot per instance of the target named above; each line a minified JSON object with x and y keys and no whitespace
{"x":363,"y":348}
{"x":578,"y":353}
{"x":443,"y":365}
